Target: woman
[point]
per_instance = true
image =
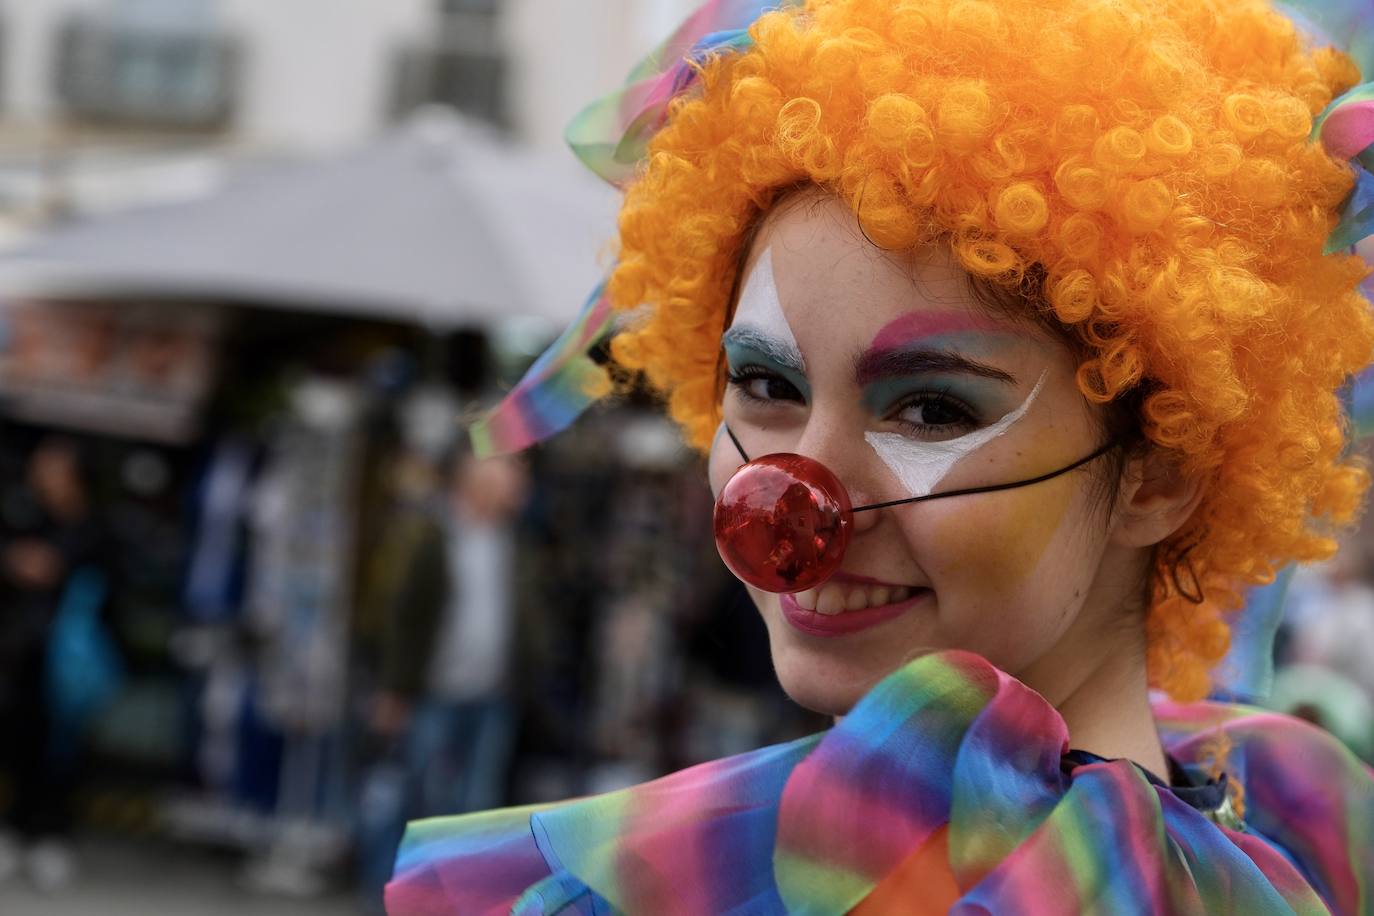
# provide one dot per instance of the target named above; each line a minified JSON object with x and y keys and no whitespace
{"x":50,"y":538}
{"x":1036,"y":291}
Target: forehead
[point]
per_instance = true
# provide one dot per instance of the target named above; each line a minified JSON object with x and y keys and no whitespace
{"x":835,"y":286}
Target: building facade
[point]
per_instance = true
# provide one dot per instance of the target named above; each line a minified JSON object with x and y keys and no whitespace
{"x":302,"y":75}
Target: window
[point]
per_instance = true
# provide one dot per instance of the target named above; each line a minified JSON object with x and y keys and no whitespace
{"x":463,"y":7}
{"x":146,"y":62}
{"x":464,"y":65}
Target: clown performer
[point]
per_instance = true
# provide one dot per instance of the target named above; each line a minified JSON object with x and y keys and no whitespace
{"x":1016,"y":333}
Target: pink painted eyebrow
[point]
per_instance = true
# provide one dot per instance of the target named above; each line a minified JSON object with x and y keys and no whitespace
{"x":915,"y":326}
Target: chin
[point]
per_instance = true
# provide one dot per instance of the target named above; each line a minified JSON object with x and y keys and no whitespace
{"x":833,"y":703}
{"x":824,"y":681}
{"x":827,"y":676}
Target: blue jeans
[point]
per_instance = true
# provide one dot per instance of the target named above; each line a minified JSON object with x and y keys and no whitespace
{"x":456,"y":759}
{"x":459,"y":755}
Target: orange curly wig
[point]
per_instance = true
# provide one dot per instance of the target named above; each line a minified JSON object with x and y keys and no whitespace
{"x":1146,"y":163}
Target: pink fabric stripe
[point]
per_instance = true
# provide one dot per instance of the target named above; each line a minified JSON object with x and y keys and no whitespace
{"x":863,"y":832}
{"x":1349,"y":130}
{"x":661,"y":841}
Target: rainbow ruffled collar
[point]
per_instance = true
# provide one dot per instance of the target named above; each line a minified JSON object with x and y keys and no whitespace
{"x":947,"y":764}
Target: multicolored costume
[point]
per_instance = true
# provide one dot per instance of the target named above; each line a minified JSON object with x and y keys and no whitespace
{"x":949,"y":788}
{"x":1176,"y":182}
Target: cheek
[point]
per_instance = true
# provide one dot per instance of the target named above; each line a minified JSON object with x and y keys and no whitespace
{"x":722,"y":462}
{"x":1003,"y":538}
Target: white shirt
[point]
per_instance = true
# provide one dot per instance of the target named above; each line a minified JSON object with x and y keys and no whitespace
{"x":473,"y":653}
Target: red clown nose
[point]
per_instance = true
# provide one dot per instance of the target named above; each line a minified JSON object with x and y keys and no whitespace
{"x":783,"y":523}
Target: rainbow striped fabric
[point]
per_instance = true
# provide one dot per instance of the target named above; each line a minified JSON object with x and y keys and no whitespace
{"x":947,"y":754}
{"x":611,"y":136}
{"x":561,"y":384}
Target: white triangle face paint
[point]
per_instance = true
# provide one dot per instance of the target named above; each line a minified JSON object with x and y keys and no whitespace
{"x":759,"y":306}
{"x":920,"y":466}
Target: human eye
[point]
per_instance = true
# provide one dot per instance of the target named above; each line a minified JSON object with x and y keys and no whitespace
{"x":759,"y":385}
{"x":935,"y":415}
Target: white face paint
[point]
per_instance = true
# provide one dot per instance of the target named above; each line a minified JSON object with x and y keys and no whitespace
{"x":920,"y":466}
{"x":759,"y":307}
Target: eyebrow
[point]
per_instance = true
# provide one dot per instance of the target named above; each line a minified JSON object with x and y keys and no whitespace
{"x":882,"y":364}
{"x":784,"y":353}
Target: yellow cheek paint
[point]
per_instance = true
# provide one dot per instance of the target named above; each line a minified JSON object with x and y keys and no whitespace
{"x":1026,"y":527}
{"x":1002,"y":537}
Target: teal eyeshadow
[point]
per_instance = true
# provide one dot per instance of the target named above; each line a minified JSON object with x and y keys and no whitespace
{"x":881,"y":396}
{"x":740,"y":356}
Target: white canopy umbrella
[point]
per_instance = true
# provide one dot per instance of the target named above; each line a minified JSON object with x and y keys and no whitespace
{"x":439,"y":223}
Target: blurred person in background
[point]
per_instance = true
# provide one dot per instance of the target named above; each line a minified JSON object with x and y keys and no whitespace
{"x":49,"y":532}
{"x":445,"y":699}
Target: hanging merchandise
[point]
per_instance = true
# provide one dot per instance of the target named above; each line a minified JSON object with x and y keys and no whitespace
{"x":299,"y":589}
{"x":297,"y":604}
{"x":214,"y":580}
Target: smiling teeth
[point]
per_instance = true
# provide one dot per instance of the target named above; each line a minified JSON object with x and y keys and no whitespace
{"x":833,"y":598}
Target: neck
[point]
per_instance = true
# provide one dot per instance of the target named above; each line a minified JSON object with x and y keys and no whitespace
{"x":1097,"y":681}
{"x":1108,"y":714}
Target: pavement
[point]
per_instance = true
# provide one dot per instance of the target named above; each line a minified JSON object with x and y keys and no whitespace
{"x":159,"y":878}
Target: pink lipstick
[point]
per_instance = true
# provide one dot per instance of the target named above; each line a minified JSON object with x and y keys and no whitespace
{"x":845,"y":622}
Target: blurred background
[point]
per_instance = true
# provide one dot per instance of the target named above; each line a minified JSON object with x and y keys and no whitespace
{"x":258,"y":262}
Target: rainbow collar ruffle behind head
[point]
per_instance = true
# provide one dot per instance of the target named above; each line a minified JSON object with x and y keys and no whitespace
{"x":611,"y":137}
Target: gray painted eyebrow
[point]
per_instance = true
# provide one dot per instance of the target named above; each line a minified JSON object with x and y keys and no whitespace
{"x":872,"y":367}
{"x":781,"y":352}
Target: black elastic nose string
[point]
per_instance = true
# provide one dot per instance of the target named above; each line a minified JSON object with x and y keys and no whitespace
{"x":731,"y":433}
{"x":969,"y":491}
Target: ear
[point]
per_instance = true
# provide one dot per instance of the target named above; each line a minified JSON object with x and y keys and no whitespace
{"x":1154,"y":500}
